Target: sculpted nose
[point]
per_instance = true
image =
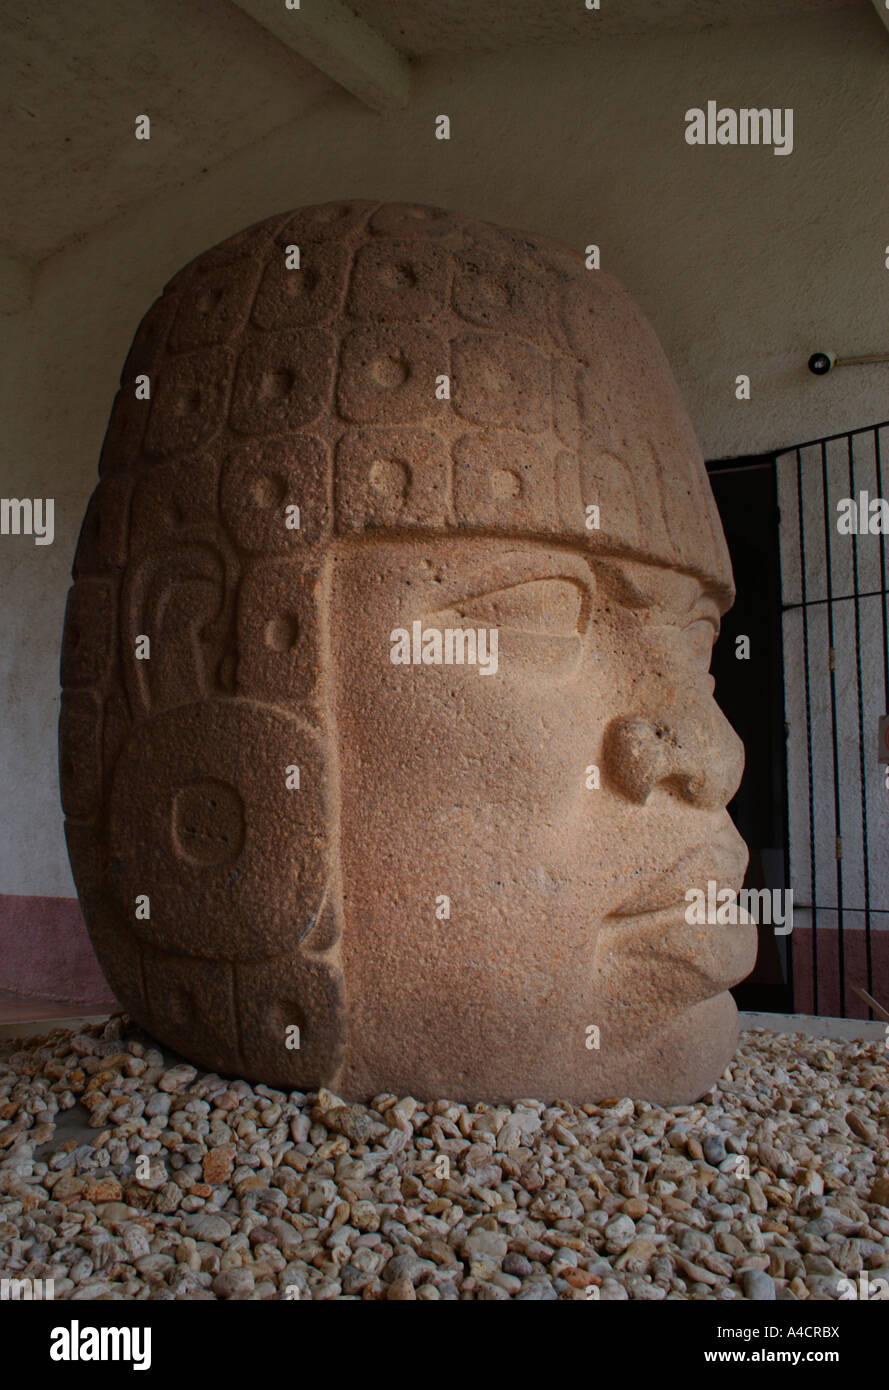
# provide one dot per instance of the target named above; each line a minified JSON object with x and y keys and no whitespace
{"x":700,"y":757}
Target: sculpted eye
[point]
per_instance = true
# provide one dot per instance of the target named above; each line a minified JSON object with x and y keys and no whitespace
{"x":539,"y":626}
{"x":542,"y":607}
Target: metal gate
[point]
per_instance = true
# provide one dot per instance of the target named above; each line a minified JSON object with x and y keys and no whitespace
{"x":836,"y":687}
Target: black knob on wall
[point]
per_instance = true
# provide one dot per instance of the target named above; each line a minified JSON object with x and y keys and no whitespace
{"x":820,"y":363}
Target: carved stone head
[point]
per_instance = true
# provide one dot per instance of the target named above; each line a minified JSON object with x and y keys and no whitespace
{"x":386,"y":728}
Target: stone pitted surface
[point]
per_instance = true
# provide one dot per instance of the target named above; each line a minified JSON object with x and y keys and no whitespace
{"x":444,"y":904}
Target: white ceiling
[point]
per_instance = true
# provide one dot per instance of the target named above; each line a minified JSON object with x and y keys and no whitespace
{"x":74,"y":77}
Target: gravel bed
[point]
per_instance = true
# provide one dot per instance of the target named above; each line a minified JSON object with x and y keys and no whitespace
{"x":126,"y":1173}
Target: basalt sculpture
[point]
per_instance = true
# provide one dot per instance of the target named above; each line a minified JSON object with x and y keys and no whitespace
{"x":388,"y":746}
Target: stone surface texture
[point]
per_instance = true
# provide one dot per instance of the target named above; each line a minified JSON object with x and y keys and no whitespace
{"x":447,"y":903}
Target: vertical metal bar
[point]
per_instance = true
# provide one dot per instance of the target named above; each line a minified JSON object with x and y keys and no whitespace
{"x":805,"y":612}
{"x":879,"y":465}
{"x":861,"y":748}
{"x":878,"y":462}
{"x":785,"y":781}
{"x":837,"y":813}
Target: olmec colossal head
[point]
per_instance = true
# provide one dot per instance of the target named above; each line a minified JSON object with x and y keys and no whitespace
{"x":427,"y":775}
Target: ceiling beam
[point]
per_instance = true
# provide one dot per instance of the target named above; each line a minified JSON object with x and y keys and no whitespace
{"x":333,"y":39}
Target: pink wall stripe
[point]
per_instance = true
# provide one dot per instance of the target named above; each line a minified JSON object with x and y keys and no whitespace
{"x":45,"y":952}
{"x":829,"y":1003}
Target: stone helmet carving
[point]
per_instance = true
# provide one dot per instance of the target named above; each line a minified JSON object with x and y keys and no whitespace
{"x":406,"y":372}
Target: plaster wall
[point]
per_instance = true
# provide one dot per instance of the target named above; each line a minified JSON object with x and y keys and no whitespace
{"x":744,"y":260}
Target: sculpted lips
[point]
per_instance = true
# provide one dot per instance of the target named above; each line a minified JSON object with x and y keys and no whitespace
{"x":674,"y":961}
{"x":723,"y":860}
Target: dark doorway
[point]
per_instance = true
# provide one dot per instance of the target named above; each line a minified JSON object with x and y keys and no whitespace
{"x":751,"y":693}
